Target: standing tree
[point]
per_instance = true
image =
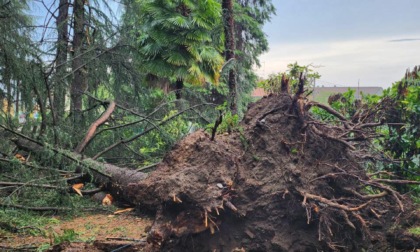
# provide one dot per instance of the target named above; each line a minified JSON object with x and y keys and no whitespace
{"x":16,"y":51}
{"x":229,"y":30}
{"x":62,"y":22}
{"x":177,"y":40}
{"x":79,"y":83}
{"x":251,"y":42}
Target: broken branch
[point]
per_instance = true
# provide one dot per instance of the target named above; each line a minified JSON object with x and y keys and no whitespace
{"x":92,"y":129}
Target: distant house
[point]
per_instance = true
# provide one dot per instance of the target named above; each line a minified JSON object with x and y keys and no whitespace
{"x":321,"y":94}
{"x":258,"y":93}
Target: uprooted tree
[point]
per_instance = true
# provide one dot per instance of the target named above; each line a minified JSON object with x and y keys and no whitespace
{"x":283,"y":181}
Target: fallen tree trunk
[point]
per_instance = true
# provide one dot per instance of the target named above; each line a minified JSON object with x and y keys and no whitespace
{"x":275,"y":185}
{"x":111,"y":178}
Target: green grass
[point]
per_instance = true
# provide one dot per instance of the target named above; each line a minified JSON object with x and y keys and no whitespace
{"x":23,"y":221}
{"x":414,"y":231}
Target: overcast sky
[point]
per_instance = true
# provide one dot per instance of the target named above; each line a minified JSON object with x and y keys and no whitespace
{"x":371,"y":40}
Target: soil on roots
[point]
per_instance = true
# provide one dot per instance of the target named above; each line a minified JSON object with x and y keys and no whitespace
{"x":273,"y":185}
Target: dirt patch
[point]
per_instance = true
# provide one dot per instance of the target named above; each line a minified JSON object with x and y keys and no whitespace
{"x":88,"y":233}
{"x":283,"y":182}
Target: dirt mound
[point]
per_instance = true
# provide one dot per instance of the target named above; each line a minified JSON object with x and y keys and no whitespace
{"x":282,"y":182}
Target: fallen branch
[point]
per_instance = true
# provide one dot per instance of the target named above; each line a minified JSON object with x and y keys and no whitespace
{"x":2,"y":183}
{"x":36,"y":208}
{"x":69,"y":188}
{"x":32,"y":145}
{"x":35,"y":166}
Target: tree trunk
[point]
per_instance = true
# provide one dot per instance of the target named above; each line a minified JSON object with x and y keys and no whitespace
{"x":62,"y":47}
{"x":79,"y":79}
{"x":17,"y":98}
{"x":111,"y":178}
{"x":179,"y":85}
{"x":229,"y":24}
{"x":7,"y":80}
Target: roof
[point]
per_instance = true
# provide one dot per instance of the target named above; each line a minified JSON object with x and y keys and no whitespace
{"x":359,"y":90}
{"x":321,"y":94}
{"x":258,"y":92}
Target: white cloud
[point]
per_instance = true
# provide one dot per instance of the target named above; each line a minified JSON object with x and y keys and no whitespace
{"x":376,"y":62}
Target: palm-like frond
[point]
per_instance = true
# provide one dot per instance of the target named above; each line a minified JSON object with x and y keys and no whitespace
{"x":179,"y":33}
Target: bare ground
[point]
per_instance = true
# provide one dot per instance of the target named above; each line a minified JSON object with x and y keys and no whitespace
{"x":96,"y":232}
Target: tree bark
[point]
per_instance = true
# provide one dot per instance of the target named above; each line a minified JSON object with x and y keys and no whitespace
{"x":229,"y":25}
{"x":62,"y":48}
{"x":79,"y":79}
{"x":112,"y":178}
{"x":17,"y":98}
{"x":179,"y":85}
{"x":7,"y":80}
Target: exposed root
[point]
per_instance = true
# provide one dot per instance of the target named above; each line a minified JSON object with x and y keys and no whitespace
{"x":290,"y":169}
{"x":331,"y":203}
{"x":346,"y":219}
{"x":176,"y":199}
{"x":229,"y":205}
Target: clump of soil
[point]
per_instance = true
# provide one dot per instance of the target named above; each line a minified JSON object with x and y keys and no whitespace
{"x":282,"y":182}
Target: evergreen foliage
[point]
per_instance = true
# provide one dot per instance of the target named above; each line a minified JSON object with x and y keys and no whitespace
{"x":59,"y":72}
